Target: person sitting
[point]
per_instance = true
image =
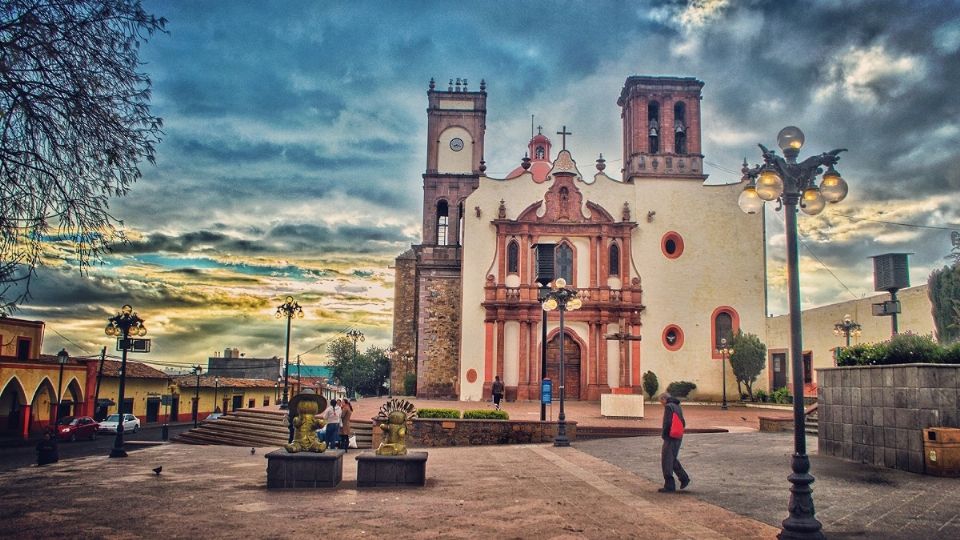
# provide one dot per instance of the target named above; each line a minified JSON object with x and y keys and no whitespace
{"x":47,"y":449}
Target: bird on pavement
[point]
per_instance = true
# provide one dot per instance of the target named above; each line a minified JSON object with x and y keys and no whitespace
{"x":253,"y":451}
{"x":158,"y":470}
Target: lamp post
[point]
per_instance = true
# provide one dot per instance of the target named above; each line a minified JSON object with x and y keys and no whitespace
{"x":847,"y":327}
{"x":355,"y":335}
{"x":124,"y":324}
{"x":724,"y":353}
{"x":62,"y":358}
{"x":196,"y":396}
{"x":542,"y":293}
{"x":216,"y":388}
{"x":289,"y":309}
{"x":277,"y":397}
{"x":792,"y":184}
{"x":561,"y":298}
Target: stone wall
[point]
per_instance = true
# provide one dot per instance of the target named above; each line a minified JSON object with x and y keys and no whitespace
{"x":438,"y":347}
{"x":434,"y":432}
{"x":404,"y":320}
{"x":876,"y":414}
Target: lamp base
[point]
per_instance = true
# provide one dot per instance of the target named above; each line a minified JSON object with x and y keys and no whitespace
{"x":117,"y":452}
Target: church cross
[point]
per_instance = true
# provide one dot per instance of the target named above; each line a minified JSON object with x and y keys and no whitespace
{"x":539,"y":130}
{"x":564,"y":134}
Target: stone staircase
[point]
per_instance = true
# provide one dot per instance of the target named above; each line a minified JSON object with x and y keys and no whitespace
{"x":256,"y":428}
{"x":811,"y":424}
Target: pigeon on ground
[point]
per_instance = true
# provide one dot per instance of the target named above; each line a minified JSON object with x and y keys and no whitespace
{"x":158,"y":470}
{"x":253,"y":451}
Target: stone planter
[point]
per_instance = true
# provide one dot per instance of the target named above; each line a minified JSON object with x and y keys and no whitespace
{"x":877,"y":414}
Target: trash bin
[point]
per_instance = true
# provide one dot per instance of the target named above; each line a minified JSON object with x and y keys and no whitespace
{"x":941,"y":451}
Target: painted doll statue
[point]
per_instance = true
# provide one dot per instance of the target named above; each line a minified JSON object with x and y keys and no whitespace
{"x":307,"y":405}
{"x":393,"y":418}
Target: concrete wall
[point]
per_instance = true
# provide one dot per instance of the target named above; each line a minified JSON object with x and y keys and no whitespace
{"x":876,"y":414}
{"x":433,"y":432}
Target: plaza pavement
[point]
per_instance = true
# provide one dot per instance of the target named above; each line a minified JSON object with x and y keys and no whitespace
{"x":594,"y":489}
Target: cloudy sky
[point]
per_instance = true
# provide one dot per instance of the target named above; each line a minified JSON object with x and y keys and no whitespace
{"x":294,"y":144}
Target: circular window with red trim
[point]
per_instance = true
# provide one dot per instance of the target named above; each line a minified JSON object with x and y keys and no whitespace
{"x":672,"y":245}
{"x":672,"y":337}
{"x":471,"y":375}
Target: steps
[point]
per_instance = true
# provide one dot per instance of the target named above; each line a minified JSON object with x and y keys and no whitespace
{"x":811,"y":425}
{"x":256,"y":428}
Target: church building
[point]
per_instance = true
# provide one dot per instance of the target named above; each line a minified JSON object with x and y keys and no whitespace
{"x":665,"y":266}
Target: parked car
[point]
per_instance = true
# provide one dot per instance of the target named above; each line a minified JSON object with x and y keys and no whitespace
{"x":71,"y":428}
{"x":130,"y":423}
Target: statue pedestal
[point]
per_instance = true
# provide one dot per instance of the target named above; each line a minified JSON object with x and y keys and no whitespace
{"x":304,"y":469}
{"x":390,"y":471}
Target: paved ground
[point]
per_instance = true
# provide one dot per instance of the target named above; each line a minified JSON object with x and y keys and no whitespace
{"x":595,"y":489}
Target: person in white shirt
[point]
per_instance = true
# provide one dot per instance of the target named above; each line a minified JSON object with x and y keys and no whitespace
{"x":331,"y":415}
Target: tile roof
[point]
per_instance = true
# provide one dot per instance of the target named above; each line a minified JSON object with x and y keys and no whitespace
{"x":111,"y":368}
{"x":207,"y":381}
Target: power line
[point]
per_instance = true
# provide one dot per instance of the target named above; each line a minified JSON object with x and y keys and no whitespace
{"x":900,"y":224}
{"x":823,"y":264}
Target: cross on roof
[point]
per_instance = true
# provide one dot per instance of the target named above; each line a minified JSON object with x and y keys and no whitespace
{"x":540,"y":130}
{"x":564,"y":134}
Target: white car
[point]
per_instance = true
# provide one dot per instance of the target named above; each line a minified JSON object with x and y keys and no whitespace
{"x":130,"y":423}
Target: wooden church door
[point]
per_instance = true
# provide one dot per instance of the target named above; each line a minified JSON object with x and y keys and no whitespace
{"x":571,"y":366}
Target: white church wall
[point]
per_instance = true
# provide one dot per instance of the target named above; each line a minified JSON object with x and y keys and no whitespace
{"x":511,"y":352}
{"x":613,"y":361}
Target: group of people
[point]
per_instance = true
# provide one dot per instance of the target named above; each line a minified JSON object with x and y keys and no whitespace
{"x":336,"y":431}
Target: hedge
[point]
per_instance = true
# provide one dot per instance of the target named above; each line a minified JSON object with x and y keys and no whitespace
{"x":906,"y":348}
{"x":438,"y":413}
{"x":485,"y":414}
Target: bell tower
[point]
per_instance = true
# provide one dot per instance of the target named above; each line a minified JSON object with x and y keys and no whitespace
{"x":456,"y":121}
{"x":661,"y":128}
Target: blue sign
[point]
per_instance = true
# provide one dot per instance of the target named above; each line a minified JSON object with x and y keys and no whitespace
{"x":546,"y":392}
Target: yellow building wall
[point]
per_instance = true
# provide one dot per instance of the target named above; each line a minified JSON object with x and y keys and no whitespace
{"x":818,"y":336}
{"x":11,"y":329}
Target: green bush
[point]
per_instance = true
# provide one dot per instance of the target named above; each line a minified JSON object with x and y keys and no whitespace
{"x":906,"y":348}
{"x":681,"y":389}
{"x":650,"y":384}
{"x":438,"y":413}
{"x":781,"y":395}
{"x":410,"y":384}
{"x":485,"y":414}
{"x":760,"y":396}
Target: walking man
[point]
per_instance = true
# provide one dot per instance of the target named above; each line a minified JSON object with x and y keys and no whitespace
{"x":671,"y":445}
{"x":497,"y":391}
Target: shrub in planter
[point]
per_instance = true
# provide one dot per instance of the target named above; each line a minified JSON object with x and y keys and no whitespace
{"x":681,"y":389}
{"x":781,"y":395}
{"x":439,"y":413}
{"x":485,"y":414}
{"x":650,"y":384}
{"x":410,"y":384}
{"x":760,"y":396}
{"x":950,"y":354}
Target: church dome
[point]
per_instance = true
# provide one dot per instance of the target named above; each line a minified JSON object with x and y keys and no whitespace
{"x":538,"y":151}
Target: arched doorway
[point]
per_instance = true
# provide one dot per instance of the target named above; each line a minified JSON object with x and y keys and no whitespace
{"x":41,"y":407}
{"x":12,"y":400}
{"x":571,"y":366}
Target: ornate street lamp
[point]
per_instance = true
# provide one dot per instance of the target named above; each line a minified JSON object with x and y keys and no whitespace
{"x":725,"y":352}
{"x":124,"y":324}
{"x":277,"y":398}
{"x":289,"y":309}
{"x":790,"y":183}
{"x":355,"y":335}
{"x":62,"y":359}
{"x":561,"y":298}
{"x":197,"y":369}
{"x":216,"y":388}
{"x":846,"y":328}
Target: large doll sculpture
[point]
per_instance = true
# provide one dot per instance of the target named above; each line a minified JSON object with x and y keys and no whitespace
{"x":307,"y":405}
{"x":393,"y":418}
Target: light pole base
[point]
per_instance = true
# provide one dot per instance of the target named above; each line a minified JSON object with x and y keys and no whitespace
{"x":283,"y":406}
{"x":117,"y":452}
{"x":564,"y":442}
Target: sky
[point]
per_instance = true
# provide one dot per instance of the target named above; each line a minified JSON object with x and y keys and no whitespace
{"x":294,"y":134}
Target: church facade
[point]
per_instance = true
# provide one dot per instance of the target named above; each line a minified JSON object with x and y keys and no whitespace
{"x":665,"y":266}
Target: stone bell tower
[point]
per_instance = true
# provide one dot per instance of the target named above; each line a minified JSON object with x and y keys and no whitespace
{"x":661,"y":128}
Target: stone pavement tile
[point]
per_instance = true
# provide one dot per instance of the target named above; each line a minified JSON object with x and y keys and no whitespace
{"x":530,"y":491}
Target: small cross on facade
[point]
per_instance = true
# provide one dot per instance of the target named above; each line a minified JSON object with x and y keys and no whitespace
{"x":564,"y":134}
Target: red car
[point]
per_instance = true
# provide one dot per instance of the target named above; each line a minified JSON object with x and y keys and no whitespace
{"x":71,"y":428}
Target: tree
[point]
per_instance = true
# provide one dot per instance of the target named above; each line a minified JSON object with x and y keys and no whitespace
{"x":75,"y":123}
{"x":943,"y":287}
{"x":365,"y":374}
{"x":747,"y":359}
{"x":650,"y":384}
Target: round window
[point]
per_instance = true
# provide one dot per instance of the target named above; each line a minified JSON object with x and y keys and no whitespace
{"x":672,"y":337}
{"x":672,"y":245}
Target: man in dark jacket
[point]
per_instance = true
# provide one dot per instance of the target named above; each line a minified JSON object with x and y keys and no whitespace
{"x":497,"y":391}
{"x":671,"y":447}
